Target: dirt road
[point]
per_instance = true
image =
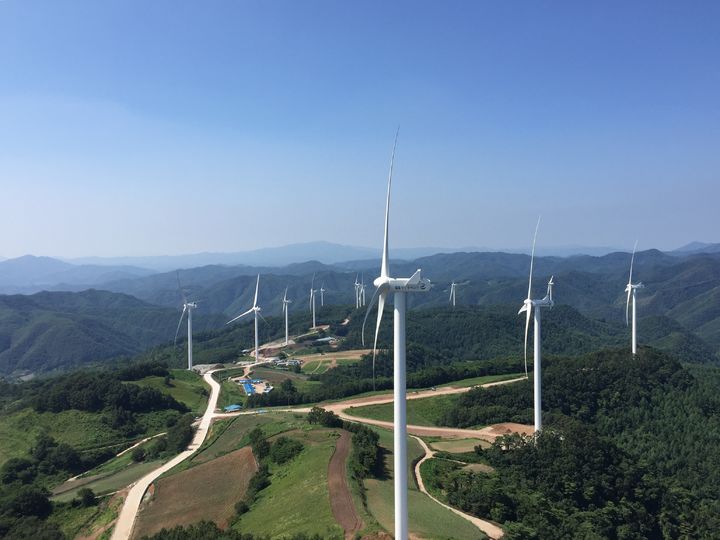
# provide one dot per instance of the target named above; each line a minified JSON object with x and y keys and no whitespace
{"x":489,"y":528}
{"x":343,"y":507}
{"x":128,"y":514}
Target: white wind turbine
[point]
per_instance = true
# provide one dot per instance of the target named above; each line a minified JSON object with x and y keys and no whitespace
{"x":631,"y":289}
{"x":400,"y":287}
{"x":313,"y":294}
{"x":322,"y":294}
{"x":256,"y":310}
{"x":453,"y":287}
{"x":357,"y":292}
{"x":529,"y":306}
{"x":285,"y":309}
{"x":187,"y":308}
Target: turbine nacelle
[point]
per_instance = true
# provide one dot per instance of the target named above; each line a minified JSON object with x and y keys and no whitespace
{"x":415,"y":283}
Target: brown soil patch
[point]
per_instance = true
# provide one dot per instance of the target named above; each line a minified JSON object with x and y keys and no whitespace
{"x":341,"y":502}
{"x":511,"y":427}
{"x":208,"y":491}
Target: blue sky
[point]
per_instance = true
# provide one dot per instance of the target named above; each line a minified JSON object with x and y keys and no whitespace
{"x":137,"y":128}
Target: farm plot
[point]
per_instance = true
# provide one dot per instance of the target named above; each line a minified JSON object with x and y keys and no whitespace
{"x":208,"y":491}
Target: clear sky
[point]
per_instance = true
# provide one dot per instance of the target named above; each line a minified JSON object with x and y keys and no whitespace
{"x":131,"y":127}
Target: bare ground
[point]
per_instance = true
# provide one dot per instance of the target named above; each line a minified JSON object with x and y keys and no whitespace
{"x":341,"y":501}
{"x":208,"y":491}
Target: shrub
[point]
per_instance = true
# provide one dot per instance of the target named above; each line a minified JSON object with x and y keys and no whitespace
{"x":284,"y":449}
{"x":138,"y":454}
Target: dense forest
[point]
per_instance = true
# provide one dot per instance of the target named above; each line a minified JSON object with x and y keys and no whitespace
{"x":627,"y":451}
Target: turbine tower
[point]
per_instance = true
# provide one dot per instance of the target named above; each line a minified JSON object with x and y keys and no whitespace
{"x":313,"y":294}
{"x":187,"y":308}
{"x":357,"y":292}
{"x":631,"y":289}
{"x":529,"y":306}
{"x":285,"y":309}
{"x":322,"y":295}
{"x":453,"y":285}
{"x":256,"y":310}
{"x":399,"y":287}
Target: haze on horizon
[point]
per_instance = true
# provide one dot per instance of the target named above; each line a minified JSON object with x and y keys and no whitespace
{"x":129,"y":128}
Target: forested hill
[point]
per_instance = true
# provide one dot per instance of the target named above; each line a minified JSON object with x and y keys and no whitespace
{"x":57,"y":330}
{"x":627,"y":451}
{"x":683,"y":289}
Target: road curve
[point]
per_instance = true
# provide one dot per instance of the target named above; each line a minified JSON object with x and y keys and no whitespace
{"x":489,"y":528}
{"x":128,"y":514}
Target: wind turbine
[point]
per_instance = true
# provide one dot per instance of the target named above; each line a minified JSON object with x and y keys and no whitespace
{"x":453,"y":285}
{"x":187,"y":308}
{"x":313,"y":293}
{"x":529,"y":306}
{"x":400,"y":287}
{"x":630,"y":289}
{"x":285,"y":309}
{"x":256,"y":310}
{"x":357,"y":292}
{"x":322,"y":294}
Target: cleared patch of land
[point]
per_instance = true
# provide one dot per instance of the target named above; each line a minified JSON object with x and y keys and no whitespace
{"x":459,"y":445}
{"x":277,"y":376}
{"x":207,"y":491}
{"x":426,"y":518}
{"x":186,"y":386}
{"x":297,"y":500}
{"x":320,"y":363}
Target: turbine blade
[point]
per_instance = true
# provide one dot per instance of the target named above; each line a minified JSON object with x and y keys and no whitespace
{"x":632,"y":261}
{"x":182,"y":316}
{"x":257,"y":286}
{"x":240,"y":316}
{"x":627,"y":306}
{"x":381,"y":309}
{"x":384,"y":268}
{"x":285,"y":296}
{"x":532,"y":259}
{"x":367,"y":313}
{"x":182,"y":293}
{"x":263,"y":318}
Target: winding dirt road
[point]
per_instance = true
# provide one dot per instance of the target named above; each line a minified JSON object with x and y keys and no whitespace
{"x":491,"y":529}
{"x":128,"y":514}
{"x":351,"y":524}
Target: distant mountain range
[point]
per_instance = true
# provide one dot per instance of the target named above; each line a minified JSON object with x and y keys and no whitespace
{"x":59,"y":330}
{"x":30,"y":274}
{"x":324,"y":252}
{"x":137,"y":307}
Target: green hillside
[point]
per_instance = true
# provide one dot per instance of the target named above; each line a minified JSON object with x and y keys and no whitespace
{"x":52,"y":330}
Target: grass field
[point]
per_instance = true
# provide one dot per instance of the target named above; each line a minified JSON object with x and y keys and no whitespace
{"x":297,"y":499}
{"x":482,"y":380}
{"x":208,"y":491}
{"x":230,"y":434}
{"x":187,"y":387}
{"x":426,"y":411}
{"x":230,"y":394}
{"x":18,"y":431}
{"x":426,"y":519}
{"x":108,"y":483}
{"x":420,"y":412}
{"x":86,"y":522}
